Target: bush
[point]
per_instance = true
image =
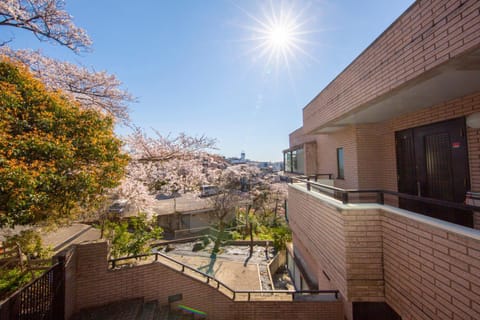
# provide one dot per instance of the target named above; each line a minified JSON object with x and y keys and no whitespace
{"x":281,"y":235}
{"x":236,"y":235}
{"x":132,"y":237}
{"x":206,"y":240}
{"x":197,"y":246}
{"x":12,"y":276}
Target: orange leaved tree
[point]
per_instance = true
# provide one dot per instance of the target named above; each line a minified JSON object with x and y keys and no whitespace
{"x":55,"y":158}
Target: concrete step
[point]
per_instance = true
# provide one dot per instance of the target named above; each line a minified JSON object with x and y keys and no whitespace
{"x":166,"y":314}
{"x":163,"y":313}
{"x":132,"y":309}
{"x":149,"y":311}
{"x":119,"y":310}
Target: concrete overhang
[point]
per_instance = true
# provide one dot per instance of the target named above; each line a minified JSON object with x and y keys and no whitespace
{"x":454,"y":79}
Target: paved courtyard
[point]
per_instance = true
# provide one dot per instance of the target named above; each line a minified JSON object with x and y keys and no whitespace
{"x":232,"y":266}
{"x":234,"y":274}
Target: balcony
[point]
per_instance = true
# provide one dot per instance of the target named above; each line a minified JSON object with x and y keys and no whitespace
{"x":374,"y":252}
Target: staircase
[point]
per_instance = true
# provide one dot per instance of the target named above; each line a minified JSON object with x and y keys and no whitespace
{"x":132,"y":309}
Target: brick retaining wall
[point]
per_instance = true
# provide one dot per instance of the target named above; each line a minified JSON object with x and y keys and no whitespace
{"x":96,"y":285}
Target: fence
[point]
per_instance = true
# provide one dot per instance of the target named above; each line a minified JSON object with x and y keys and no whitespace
{"x":41,"y":299}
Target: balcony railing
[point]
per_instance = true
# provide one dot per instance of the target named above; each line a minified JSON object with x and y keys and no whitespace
{"x":347,"y":196}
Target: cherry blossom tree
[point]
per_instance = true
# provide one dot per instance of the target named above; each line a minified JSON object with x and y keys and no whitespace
{"x":46,"y":19}
{"x":166,"y":164}
{"x":95,"y":90}
{"x":160,"y":148}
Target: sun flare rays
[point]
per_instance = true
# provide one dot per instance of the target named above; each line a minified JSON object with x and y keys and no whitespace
{"x":279,"y":34}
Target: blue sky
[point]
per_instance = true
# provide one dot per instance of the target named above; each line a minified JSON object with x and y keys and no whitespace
{"x":193,"y":68}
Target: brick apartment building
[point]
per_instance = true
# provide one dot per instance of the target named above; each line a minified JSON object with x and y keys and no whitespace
{"x":403,"y":117}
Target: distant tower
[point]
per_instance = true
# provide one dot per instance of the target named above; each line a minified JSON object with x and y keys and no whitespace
{"x":242,"y":156}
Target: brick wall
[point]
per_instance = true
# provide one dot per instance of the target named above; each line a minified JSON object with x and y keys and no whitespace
{"x":327,"y":145}
{"x":70,"y":259}
{"x":370,"y":155}
{"x":310,"y":154}
{"x":428,"y":34}
{"x":430,"y":272}
{"x":297,"y":138}
{"x":422,"y":267}
{"x":327,"y":248}
{"x":363,"y":255}
{"x":96,"y":285}
{"x":369,"y":149}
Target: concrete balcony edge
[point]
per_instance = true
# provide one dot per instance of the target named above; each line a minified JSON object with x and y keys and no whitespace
{"x":339,"y":206}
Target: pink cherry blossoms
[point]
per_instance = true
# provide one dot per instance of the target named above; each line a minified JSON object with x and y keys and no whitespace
{"x":92,"y":89}
{"x":46,"y":19}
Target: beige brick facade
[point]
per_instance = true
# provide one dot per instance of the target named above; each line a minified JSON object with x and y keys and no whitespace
{"x":423,"y":268}
{"x":422,"y":70}
{"x":369,"y":149}
{"x":428,"y":34}
{"x":431,"y":38}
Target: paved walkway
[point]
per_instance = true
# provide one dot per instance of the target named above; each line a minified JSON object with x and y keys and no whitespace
{"x":65,"y":236}
{"x":236,"y":275}
{"x":59,"y":238}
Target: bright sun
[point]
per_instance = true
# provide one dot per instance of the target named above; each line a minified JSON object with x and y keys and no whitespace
{"x":280,"y":37}
{"x":279,"y":34}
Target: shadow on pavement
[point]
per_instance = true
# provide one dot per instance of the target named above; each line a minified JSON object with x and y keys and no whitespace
{"x":209,"y":266}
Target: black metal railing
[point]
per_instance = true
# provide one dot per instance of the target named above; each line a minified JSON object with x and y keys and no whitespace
{"x":316,"y":176}
{"x":41,"y":299}
{"x":311,"y":177}
{"x":345,"y":195}
{"x":235,"y":295}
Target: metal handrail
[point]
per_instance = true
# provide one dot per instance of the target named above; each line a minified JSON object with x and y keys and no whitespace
{"x":220,"y":283}
{"x":314,"y":176}
{"x":42,"y":297}
{"x":289,"y":292}
{"x":184,"y":266}
{"x":30,"y":284}
{"x":381,"y":195}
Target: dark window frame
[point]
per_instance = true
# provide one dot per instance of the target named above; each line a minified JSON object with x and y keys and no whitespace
{"x":291,"y":165}
{"x":340,"y":163}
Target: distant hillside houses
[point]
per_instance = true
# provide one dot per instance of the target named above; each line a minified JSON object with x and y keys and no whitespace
{"x":241,"y":160}
{"x":263,"y":165}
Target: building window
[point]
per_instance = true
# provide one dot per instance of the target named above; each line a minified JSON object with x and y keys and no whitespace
{"x":287,"y":161}
{"x":293,"y":161}
{"x":299,"y":162}
{"x":340,"y":167}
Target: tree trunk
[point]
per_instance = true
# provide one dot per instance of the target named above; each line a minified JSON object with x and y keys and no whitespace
{"x":218,"y":241}
{"x":251,"y":238}
{"x":102,"y":229}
